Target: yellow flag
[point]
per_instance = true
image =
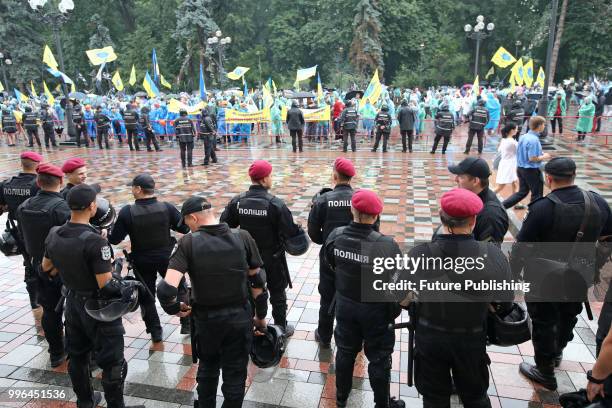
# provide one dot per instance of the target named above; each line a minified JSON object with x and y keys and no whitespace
{"x":374,"y":89}
{"x":517,"y":72}
{"x":541,"y":77}
{"x":72,"y":88}
{"x":1,"y":87}
{"x":476,"y":86}
{"x":490,"y":72}
{"x":502,"y":58}
{"x":133,"y":76}
{"x":512,"y":84}
{"x":48,"y":58}
{"x":117,"y":81}
{"x":528,"y":73}
{"x":99,"y":56}
{"x":48,"y":94}
{"x":34,"y":94}
{"x":163,"y":82}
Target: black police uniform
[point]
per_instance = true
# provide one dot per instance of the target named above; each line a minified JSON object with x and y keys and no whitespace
{"x":209,"y":134}
{"x":79,"y":253}
{"x":130,"y":119}
{"x":266,"y":218}
{"x":13,"y":192}
{"x":9,"y":123}
{"x":492,"y":221}
{"x":103,"y":123}
{"x":64,"y":192}
{"x":406,"y":117}
{"x":148,"y":222}
{"x":36,"y":216}
{"x":358,"y":324}
{"x":479,"y":117}
{"x":329,"y":211}
{"x":145,"y":124}
{"x":444,"y":123}
{"x":556,"y":218}
{"x":451,"y":336}
{"x":349,"y":120}
{"x":47,"y":124}
{"x":220,"y":305}
{"x":184,"y":130}
{"x":383,"y":128}
{"x":516,"y":115}
{"x":295,"y":124}
{"x":30,"y":123}
{"x":80,"y":127}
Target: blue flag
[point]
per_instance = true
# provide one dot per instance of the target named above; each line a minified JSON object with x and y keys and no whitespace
{"x":155,"y":66}
{"x":202,"y":84}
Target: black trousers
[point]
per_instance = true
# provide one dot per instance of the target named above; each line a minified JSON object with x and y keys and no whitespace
{"x":479,"y":134}
{"x":81,"y":130}
{"x":345,"y":136}
{"x":84,"y":336}
{"x":148,"y":272}
{"x":103,"y":136}
{"x":437,"y":140}
{"x":581,"y":135}
{"x":277,"y":280}
{"x":210,"y":144}
{"x":49,"y":295}
{"x":33,"y":135}
{"x":553,"y":325}
{"x":530,"y":180}
{"x":327,"y":289}
{"x":559,"y":120}
{"x":132,"y":137}
{"x":437,"y":354}
{"x":223,"y":343}
{"x":150,"y":137}
{"x":361,"y":325}
{"x":49,"y":135}
{"x":296,"y":133}
{"x":31,"y":281}
{"x":407,"y":134}
{"x":603,"y":327}
{"x":385,"y":136}
{"x":186,"y":147}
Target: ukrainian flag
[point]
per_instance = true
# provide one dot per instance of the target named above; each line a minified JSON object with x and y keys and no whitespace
{"x":48,"y":94}
{"x":20,"y":97}
{"x":502,"y":58}
{"x":517,"y":72}
{"x":541,"y":77}
{"x":374,"y":89}
{"x":528,"y":73}
{"x":99,"y":56}
{"x":150,"y":86}
{"x":237,"y":73}
{"x":117,"y":82}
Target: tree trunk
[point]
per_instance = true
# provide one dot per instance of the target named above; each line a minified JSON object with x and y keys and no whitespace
{"x":186,"y":63}
{"x":557,"y":45}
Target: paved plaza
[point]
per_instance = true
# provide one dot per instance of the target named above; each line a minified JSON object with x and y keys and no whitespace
{"x":162,"y":375}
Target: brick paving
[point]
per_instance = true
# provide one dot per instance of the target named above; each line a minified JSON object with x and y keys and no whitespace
{"x":162,"y":375}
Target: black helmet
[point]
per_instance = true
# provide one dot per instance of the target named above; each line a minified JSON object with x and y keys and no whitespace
{"x":267,"y":350}
{"x":579,"y":399}
{"x":444,"y":106}
{"x":107,"y":310}
{"x":297,"y":245}
{"x":28,"y":109}
{"x":8,"y":245}
{"x":105,"y":214}
{"x":509,"y":330}
{"x":384,"y":108}
{"x":183,"y":112}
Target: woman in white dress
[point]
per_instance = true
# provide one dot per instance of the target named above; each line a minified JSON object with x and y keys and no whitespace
{"x":506,"y":171}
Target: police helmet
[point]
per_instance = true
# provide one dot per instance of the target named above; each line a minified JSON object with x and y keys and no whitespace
{"x":444,"y":107}
{"x":107,"y":310}
{"x":509,"y":330}
{"x":183,"y":112}
{"x":297,"y":245}
{"x":28,"y":109}
{"x":384,"y":108}
{"x":8,"y":245}
{"x":267,"y":350}
{"x":105,"y":214}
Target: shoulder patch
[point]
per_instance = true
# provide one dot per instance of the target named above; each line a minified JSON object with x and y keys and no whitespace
{"x":106,"y":253}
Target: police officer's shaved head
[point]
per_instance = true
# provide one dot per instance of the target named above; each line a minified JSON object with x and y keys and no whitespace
{"x":196,"y":212}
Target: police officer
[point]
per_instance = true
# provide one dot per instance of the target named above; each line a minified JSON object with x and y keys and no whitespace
{"x":267,"y":219}
{"x":473,"y":173}
{"x":30,"y":122}
{"x":330,"y":209}
{"x":145,"y":125}
{"x":358,"y":324}
{"x":46,"y":117}
{"x":220,"y":300}
{"x":451,"y":331}
{"x":184,"y":130}
{"x":13,"y":192}
{"x":444,"y":123}
{"x":479,"y":117}
{"x":75,"y":170}
{"x":516,"y":115}
{"x":557,"y":217}
{"x":36,"y":216}
{"x":406,"y":117}
{"x":130,"y":119}
{"x":80,"y":127}
{"x":295,"y":124}
{"x":349,"y":118}
{"x":103,"y":123}
{"x":383,"y":127}
{"x":148,"y":223}
{"x":9,"y":125}
{"x":209,"y":134}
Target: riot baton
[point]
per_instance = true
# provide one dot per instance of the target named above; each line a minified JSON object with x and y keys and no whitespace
{"x":136,"y":273}
{"x":411,"y":327}
{"x":589,"y":312}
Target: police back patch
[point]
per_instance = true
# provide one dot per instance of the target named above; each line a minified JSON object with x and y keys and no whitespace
{"x":106,"y":253}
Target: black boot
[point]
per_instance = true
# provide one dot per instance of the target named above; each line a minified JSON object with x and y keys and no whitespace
{"x":324,"y":345}
{"x":288,"y":329}
{"x":185,"y":325}
{"x":558,"y":359}
{"x":543,"y":375}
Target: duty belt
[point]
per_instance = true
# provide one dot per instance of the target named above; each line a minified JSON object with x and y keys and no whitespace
{"x":208,"y":312}
{"x":457,"y":330}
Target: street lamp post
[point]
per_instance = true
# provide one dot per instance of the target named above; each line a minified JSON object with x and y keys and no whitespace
{"x":259,"y":66}
{"x":478,"y":33}
{"x":421,"y":49}
{"x":56,"y":15}
{"x":340,"y":51}
{"x":543,"y":104}
{"x":517,"y":45}
{"x":220,"y":43}
{"x":5,"y":59}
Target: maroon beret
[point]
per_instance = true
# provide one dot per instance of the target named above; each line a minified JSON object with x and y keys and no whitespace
{"x":32,"y":156}
{"x":48,"y":168}
{"x":460,"y":203}
{"x":344,"y":166}
{"x":366,"y":201}
{"x":72,"y":164}
{"x":259,"y":169}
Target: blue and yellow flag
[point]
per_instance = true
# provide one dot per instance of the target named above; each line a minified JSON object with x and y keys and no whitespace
{"x":155,"y":65}
{"x":374,"y":89}
{"x":48,"y":94}
{"x":319,"y":89}
{"x":541,"y":77}
{"x":305,"y":73}
{"x":117,"y":82}
{"x":48,"y":58}
{"x":237,"y":73}
{"x":150,"y":86}
{"x":33,"y":90}
{"x":490,"y":72}
{"x":202,"y":84}
{"x":20,"y":97}
{"x":99,"y":56}
{"x":528,"y":73}
{"x":517,"y":72}
{"x":502,"y":58}
{"x":59,"y":74}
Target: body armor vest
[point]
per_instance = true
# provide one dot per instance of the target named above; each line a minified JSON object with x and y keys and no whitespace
{"x":17,"y":190}
{"x":150,"y":226}
{"x":479,"y":118}
{"x":253,"y":213}
{"x":129,"y":118}
{"x":30,"y":121}
{"x":36,"y":224}
{"x":445,"y":123}
{"x":338,"y":210}
{"x":9,"y":123}
{"x":183,"y":129}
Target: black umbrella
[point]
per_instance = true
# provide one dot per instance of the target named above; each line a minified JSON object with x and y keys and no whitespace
{"x":353,"y":94}
{"x":140,"y":94}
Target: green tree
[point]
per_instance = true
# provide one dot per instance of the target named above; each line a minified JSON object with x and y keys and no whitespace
{"x":366,"y":51}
